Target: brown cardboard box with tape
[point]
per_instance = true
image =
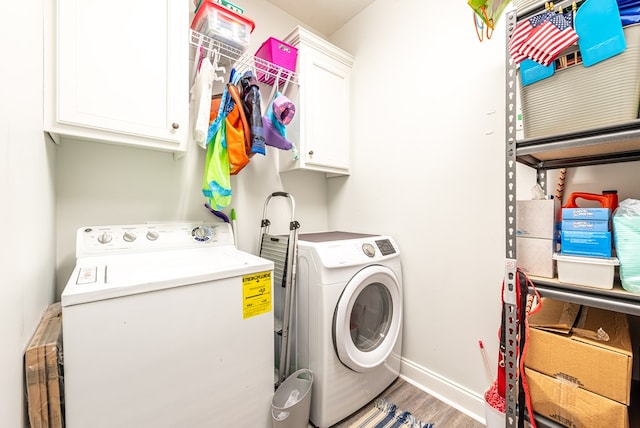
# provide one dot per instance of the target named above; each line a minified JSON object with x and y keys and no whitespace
{"x":594,"y":353}
{"x":572,"y":406}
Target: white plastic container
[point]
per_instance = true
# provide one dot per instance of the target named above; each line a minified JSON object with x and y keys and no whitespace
{"x":590,"y":271}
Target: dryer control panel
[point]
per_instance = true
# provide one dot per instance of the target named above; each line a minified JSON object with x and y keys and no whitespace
{"x":126,"y":239}
{"x":351,"y":252}
{"x":386,"y":247}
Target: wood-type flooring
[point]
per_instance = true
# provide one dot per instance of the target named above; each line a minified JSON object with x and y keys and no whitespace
{"x":421,"y":405}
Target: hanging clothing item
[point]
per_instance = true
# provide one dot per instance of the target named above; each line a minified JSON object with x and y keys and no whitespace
{"x":279,"y":113}
{"x":216,"y":182}
{"x":200,"y":97}
{"x":242,"y":118}
{"x":272,"y":135}
{"x":237,"y":130}
{"x":251,"y":98}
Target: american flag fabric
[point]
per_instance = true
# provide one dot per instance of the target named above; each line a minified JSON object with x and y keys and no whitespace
{"x":521,"y":33}
{"x":550,"y":38}
{"x":543,"y":37}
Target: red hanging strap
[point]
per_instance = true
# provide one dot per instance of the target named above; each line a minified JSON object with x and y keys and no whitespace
{"x":524,"y":301}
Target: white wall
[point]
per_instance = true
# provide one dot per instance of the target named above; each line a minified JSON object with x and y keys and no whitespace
{"x":428,"y":168}
{"x":428,"y":132}
{"x":27,"y":163}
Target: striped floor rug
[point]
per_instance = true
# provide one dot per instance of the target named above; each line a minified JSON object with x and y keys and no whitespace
{"x":386,"y":415}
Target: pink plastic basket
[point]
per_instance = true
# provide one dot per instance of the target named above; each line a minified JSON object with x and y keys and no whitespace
{"x":278,"y":53}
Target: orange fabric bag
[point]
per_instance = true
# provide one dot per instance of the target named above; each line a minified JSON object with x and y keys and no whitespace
{"x":237,"y":132}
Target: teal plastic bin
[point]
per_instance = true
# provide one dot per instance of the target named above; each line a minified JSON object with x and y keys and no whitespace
{"x":291,"y":404}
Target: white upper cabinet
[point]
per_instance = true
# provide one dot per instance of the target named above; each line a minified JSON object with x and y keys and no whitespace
{"x":321,"y":125}
{"x":117,"y":72}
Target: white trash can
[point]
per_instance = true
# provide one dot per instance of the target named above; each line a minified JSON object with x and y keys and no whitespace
{"x":291,"y":404}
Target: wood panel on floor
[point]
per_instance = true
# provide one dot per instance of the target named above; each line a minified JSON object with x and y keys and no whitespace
{"x":421,"y":405}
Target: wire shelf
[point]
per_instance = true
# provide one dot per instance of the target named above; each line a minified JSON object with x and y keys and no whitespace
{"x":241,"y":61}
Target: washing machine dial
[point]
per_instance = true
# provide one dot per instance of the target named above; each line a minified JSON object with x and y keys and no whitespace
{"x":152,"y":235}
{"x":369,"y":250}
{"x":104,"y":238}
{"x":129,"y":237}
{"x":201,"y":233}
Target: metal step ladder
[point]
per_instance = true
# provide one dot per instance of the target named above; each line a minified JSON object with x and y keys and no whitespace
{"x":283,"y":251}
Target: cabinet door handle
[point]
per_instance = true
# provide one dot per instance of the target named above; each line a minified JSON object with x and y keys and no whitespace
{"x":175,"y":125}
{"x":310,"y":152}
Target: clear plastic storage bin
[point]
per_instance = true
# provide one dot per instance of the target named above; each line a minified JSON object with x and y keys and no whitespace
{"x":222,"y":24}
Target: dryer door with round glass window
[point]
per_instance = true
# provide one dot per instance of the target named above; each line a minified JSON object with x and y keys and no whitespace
{"x":367,"y":320}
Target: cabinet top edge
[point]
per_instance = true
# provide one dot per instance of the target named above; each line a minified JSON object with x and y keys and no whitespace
{"x":300,"y":35}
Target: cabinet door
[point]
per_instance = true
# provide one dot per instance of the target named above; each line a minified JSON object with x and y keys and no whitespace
{"x":121,"y":72}
{"x":320,"y":128}
{"x":325,"y":111}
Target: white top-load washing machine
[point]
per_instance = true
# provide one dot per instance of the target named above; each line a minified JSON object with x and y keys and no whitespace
{"x":348,"y":324}
{"x":167,"y":325}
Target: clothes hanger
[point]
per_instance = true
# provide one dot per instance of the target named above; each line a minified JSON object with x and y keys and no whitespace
{"x":217,"y":67}
{"x":286,"y":83}
{"x":274,"y":88}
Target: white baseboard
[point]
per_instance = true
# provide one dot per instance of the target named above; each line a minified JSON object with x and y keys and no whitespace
{"x":456,"y":396}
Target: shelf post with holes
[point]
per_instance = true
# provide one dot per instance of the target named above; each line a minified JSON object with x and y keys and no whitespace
{"x":508,"y":342}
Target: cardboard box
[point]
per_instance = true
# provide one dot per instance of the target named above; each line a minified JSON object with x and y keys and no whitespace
{"x":535,"y":256}
{"x":538,"y":218}
{"x":572,"y":406}
{"x":43,"y":371}
{"x":586,"y":225}
{"x":590,"y":244}
{"x":586,"y":213}
{"x":595,"y":355}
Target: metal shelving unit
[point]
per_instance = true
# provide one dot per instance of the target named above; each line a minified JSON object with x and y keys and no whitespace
{"x":603,"y":145}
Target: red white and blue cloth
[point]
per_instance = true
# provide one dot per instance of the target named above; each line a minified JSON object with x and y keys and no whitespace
{"x":542,"y":37}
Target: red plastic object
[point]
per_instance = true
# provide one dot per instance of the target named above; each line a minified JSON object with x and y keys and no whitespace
{"x":608,"y":199}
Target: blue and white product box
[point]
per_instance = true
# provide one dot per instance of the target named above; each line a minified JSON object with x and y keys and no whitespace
{"x":590,"y":244}
{"x":586,"y":225}
{"x":586,"y":213}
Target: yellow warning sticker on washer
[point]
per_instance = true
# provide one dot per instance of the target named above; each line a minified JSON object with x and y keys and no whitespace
{"x":256,"y":294}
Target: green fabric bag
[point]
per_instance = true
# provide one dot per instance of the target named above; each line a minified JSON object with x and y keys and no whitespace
{"x":626,"y":234}
{"x":216,"y":183}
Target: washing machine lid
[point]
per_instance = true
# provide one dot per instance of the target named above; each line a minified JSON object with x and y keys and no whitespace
{"x":368,"y":318}
{"x":107,"y":277}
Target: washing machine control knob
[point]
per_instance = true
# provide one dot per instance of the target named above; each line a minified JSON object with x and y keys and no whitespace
{"x":369,"y":250}
{"x":201,"y":233}
{"x":129,"y":236}
{"x":104,"y":238}
{"x":152,"y":235}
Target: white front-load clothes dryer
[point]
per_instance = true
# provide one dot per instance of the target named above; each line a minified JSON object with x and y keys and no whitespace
{"x":348,"y":321}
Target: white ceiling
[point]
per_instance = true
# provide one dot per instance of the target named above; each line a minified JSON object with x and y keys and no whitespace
{"x":324,"y":15}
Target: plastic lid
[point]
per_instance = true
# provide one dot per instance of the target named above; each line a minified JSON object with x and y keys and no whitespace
{"x":612,"y":261}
